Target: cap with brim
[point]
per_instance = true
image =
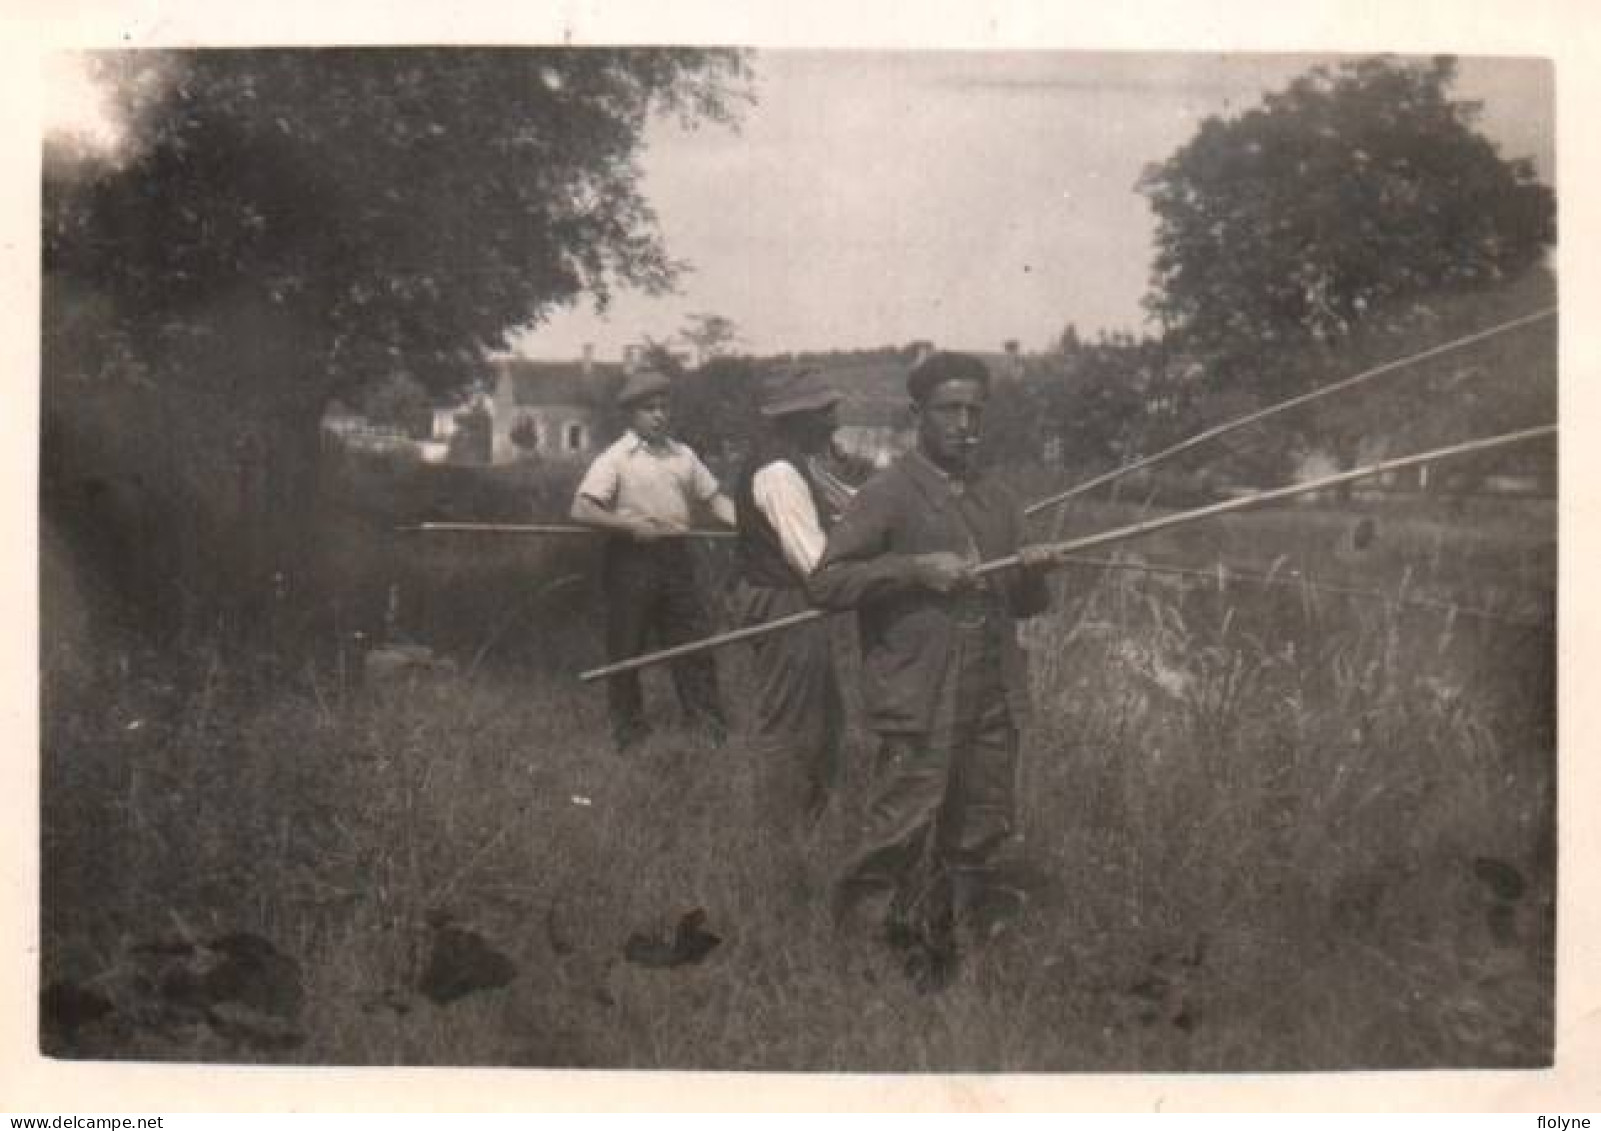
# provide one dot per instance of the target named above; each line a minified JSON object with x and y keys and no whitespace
{"x":646,"y":383}
{"x":795,"y":391}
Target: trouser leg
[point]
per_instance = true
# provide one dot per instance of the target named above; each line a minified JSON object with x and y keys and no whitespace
{"x":823,"y":767}
{"x":944,"y":811}
{"x":898,"y":864}
{"x":796,"y":717}
{"x":684,"y":619}
{"x":983,"y":826}
{"x":630,"y":595}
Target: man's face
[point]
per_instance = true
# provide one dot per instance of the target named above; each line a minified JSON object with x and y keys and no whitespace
{"x":949,"y":422}
{"x":648,"y":417}
{"x":816,"y":429}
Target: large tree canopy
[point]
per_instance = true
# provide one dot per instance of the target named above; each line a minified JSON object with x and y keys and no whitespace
{"x":373,"y":204}
{"x":281,"y":227}
{"x":1348,"y":197}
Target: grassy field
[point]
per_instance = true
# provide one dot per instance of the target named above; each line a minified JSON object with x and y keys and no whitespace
{"x":1274,"y":829}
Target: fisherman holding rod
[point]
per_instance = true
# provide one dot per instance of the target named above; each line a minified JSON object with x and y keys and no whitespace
{"x":642,"y":492}
{"x":929,"y":555}
{"x":1063,"y":552}
{"x":944,"y":684}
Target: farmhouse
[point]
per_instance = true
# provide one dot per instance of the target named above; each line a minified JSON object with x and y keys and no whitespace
{"x":548,"y":410}
{"x":553,"y":410}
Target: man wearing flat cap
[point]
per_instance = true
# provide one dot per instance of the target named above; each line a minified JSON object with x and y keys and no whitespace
{"x":944,"y":683}
{"x":644,"y":491}
{"x":787,"y":498}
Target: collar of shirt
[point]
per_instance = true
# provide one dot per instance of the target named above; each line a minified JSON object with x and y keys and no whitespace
{"x":636,"y":443}
{"x":955,"y":484}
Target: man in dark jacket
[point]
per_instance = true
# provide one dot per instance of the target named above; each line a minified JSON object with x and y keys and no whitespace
{"x":944,"y":683}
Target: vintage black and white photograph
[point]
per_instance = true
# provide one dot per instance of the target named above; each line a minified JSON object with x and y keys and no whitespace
{"x":746,"y":558}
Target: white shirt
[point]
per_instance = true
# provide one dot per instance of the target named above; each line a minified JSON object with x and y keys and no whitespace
{"x":662,"y":481}
{"x":781,"y":493}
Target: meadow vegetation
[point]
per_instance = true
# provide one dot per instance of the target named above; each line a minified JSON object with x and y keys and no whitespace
{"x":1269,"y":828}
{"x":315,"y":791}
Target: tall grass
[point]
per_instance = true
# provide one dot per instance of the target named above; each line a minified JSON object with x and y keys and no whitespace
{"x":1258,"y":818}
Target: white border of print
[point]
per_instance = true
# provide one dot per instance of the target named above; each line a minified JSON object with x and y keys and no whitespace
{"x":1565,"y":31}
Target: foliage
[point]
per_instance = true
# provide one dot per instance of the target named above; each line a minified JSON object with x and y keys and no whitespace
{"x":1496,"y":385}
{"x":1104,"y":399}
{"x":1340,"y":200}
{"x":1100,"y":403}
{"x":905,"y":354}
{"x":280,"y":227}
{"x":385,"y":203}
{"x":399,"y":401}
{"x":711,"y":335}
{"x":659,"y":356}
{"x":1012,"y":422}
{"x":715,"y":407}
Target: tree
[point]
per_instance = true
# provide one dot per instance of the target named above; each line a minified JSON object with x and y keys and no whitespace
{"x":284,"y":226}
{"x":1499,"y":384}
{"x":715,"y":408}
{"x":1344,"y":201}
{"x":1102,"y":400}
{"x":399,"y":401}
{"x":710,"y":334}
{"x":410,"y":202}
{"x":659,"y":356}
{"x":1012,"y":415}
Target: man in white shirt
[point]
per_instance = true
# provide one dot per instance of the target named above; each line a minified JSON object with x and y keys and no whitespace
{"x":644,"y":491}
{"x":786,"y":501}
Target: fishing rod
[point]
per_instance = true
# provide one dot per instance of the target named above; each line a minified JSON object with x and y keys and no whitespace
{"x":1088,"y":485}
{"x":1060,"y":551}
{"x":534,"y":528}
{"x":1284,"y":406}
{"x":1224,"y":574}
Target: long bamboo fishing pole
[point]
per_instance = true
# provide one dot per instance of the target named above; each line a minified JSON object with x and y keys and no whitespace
{"x":1090,"y":484}
{"x":1060,"y":550}
{"x":1284,"y":406}
{"x":559,"y":528}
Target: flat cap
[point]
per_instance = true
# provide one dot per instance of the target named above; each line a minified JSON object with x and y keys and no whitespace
{"x":645,"y":383}
{"x":938,"y":368}
{"x":796,"y":390}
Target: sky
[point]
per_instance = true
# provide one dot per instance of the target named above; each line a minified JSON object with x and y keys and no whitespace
{"x":965,"y":198}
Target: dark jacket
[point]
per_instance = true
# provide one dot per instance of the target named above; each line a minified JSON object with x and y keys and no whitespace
{"x":907,"y":629}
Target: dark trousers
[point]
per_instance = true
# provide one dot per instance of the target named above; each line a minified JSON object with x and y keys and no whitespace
{"x":797,"y":717}
{"x":652,"y":601}
{"x":943,"y":810}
